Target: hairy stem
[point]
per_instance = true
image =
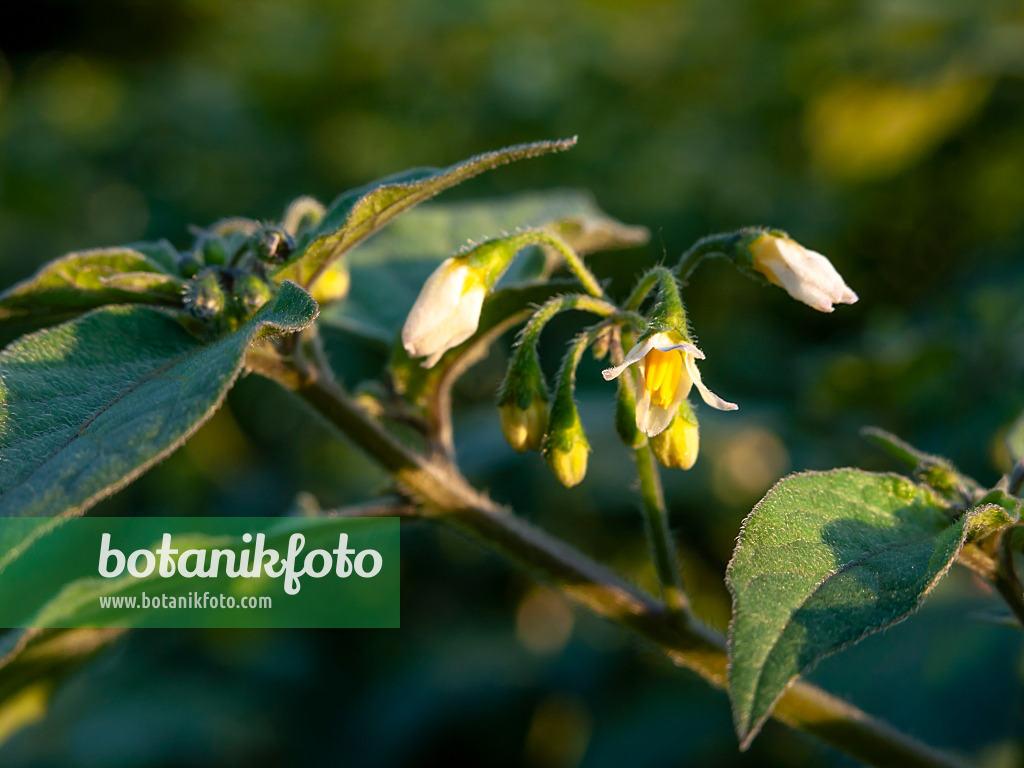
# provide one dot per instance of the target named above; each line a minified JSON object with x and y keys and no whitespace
{"x":445,"y":495}
{"x":659,"y":534}
{"x":712,"y":245}
{"x":575,"y":263}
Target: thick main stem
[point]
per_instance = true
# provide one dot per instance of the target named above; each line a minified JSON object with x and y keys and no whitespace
{"x":659,"y":534}
{"x":447,"y":496}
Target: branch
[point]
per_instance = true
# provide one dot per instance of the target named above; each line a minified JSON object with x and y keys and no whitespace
{"x":447,"y":496}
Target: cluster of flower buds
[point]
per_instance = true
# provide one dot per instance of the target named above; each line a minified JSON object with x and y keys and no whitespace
{"x":652,"y":405}
{"x":227,"y":270}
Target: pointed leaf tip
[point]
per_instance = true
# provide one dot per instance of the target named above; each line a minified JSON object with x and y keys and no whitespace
{"x":823,"y":560}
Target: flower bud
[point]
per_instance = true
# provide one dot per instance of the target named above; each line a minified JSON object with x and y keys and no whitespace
{"x":447,"y":311}
{"x":332,"y":285}
{"x":678,"y":445}
{"x":188,"y":265}
{"x":599,"y":349}
{"x":568,"y":458}
{"x":625,"y":414}
{"x":523,"y":401}
{"x":566,"y":446}
{"x":214,"y":251}
{"x":524,"y":428}
{"x":250,"y":293}
{"x":273,"y":244}
{"x":204,"y":296}
{"x":806,"y":275}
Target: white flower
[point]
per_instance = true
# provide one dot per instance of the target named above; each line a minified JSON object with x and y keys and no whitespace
{"x":666,"y":370}
{"x":447,"y":311}
{"x":805,"y":274}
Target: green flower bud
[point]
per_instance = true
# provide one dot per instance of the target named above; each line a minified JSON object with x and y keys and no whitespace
{"x":523,"y":401}
{"x":524,"y":428}
{"x":600,"y":348}
{"x":625,"y":414}
{"x":677,"y":446}
{"x":188,"y":265}
{"x":250,"y":293}
{"x":214,"y":251}
{"x":566,"y":446}
{"x":204,"y":296}
{"x":273,"y":244}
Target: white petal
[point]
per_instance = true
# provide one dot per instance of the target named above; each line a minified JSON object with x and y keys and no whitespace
{"x":436,"y":301}
{"x":658,"y":418}
{"x":635,"y":355}
{"x":683,"y":346}
{"x":458,"y":326}
{"x":706,"y":394}
{"x":643,"y":398}
{"x":659,"y":341}
{"x":807,"y":275}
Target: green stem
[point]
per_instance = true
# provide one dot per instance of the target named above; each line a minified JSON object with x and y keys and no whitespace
{"x":445,"y":495}
{"x":712,"y":245}
{"x":532,"y":330}
{"x":584,"y":275}
{"x":671,"y":311}
{"x":577,"y":347}
{"x":659,"y":533}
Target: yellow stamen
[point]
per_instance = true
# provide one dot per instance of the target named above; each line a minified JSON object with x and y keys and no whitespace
{"x":661,"y":372}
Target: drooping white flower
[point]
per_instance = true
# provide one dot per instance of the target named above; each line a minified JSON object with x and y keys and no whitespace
{"x":807,"y":275}
{"x":447,"y":311}
{"x":666,"y":371}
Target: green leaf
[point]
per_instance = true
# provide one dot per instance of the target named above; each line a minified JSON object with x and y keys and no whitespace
{"x":823,"y":560}
{"x":161,"y":252}
{"x":33,"y":661}
{"x":88,"y":279}
{"x":152,"y":286}
{"x":357,"y":214}
{"x":90,"y":405}
{"x":993,"y":514}
{"x":388,"y":271}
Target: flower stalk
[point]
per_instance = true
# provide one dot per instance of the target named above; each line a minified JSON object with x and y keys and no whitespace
{"x":659,"y":534}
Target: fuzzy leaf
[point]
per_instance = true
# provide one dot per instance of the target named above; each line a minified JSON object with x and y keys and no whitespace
{"x":823,"y":560}
{"x":388,"y":271}
{"x":357,"y":214}
{"x":85,"y":280}
{"x":88,"y":406}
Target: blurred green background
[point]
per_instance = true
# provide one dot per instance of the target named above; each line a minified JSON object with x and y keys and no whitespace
{"x":887,"y":135}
